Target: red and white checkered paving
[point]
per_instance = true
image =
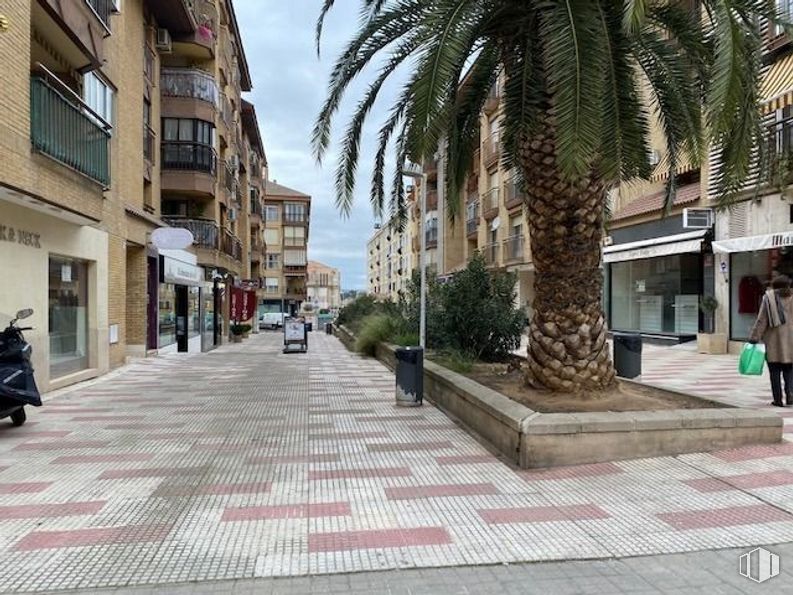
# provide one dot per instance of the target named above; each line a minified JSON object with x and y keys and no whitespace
{"x":247,"y":462}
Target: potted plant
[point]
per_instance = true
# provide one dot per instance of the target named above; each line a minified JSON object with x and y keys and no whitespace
{"x":238,"y":331}
{"x":708,"y":340}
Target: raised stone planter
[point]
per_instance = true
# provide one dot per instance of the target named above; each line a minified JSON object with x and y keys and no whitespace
{"x":532,"y":439}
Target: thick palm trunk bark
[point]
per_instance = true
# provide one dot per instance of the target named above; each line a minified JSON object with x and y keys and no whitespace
{"x":567,"y":340}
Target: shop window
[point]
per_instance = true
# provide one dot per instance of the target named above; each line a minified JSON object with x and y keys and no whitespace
{"x":167,"y":315}
{"x":68,"y":315}
{"x":750,"y":274}
{"x":656,"y":295}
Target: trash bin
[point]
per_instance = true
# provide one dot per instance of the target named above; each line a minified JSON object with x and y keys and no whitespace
{"x":329,"y":328}
{"x":628,"y":354}
{"x":409,"y":376}
{"x":309,"y":327}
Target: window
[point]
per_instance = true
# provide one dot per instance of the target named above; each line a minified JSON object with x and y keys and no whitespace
{"x":273,"y":261}
{"x":188,"y":144}
{"x":272,"y":237}
{"x":271,"y":213}
{"x":785,"y":10}
{"x":294,"y":236}
{"x":68,"y":315}
{"x":271,"y":285}
{"x":98,"y":94}
{"x":148,"y":133}
{"x":294,"y":211}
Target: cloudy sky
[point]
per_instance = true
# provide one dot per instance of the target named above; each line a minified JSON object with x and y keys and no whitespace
{"x":289,"y":86}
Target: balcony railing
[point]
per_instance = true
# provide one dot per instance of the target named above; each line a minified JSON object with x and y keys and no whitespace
{"x":432,"y":235}
{"x":226,"y":111}
{"x":65,"y":128}
{"x":490,"y":252}
{"x":229,"y":177}
{"x":191,"y":83}
{"x":256,"y":203}
{"x":513,"y":249}
{"x":493,"y":98}
{"x":472,"y":217}
{"x":432,"y":200}
{"x":295,"y":242}
{"x":205,"y":231}
{"x":103,"y":10}
{"x":490,"y":202}
{"x":148,"y":64}
{"x":186,"y":155}
{"x":231,"y":245}
{"x":492,"y":149}
{"x":513,"y":193}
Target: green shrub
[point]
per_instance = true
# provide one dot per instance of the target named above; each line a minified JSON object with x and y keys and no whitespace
{"x":376,"y":328}
{"x":457,"y":361}
{"x":240,"y":329}
{"x":357,"y":310}
{"x":405,"y":339}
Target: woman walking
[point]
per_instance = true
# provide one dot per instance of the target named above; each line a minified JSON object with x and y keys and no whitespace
{"x":774,"y":326}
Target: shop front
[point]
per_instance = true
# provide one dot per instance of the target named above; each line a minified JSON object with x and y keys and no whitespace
{"x":653,"y":286}
{"x":183,"y":304}
{"x":748,"y":265}
{"x":56,"y":265}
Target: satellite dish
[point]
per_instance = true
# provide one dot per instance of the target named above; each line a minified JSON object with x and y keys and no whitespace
{"x":495,"y":223}
{"x":172,"y":238}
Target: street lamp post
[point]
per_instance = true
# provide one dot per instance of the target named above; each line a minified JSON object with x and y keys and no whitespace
{"x":416,"y":172}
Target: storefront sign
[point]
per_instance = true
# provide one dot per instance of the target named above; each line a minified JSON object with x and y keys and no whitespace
{"x":181,"y":273}
{"x":752,"y":243}
{"x":20,"y":236}
{"x":243,"y":304}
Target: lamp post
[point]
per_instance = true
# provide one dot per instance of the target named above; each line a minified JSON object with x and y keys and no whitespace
{"x":416,"y":172}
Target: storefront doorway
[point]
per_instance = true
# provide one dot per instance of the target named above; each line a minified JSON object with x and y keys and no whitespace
{"x":68,"y":315}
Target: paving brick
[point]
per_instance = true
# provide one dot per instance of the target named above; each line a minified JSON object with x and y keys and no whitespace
{"x":438,"y":491}
{"x":36,"y":511}
{"x":377,"y":538}
{"x":100,"y":536}
{"x":360,"y":473}
{"x":725,"y":517}
{"x":288,"y":511}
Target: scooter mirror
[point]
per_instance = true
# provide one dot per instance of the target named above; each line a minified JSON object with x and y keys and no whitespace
{"x":26,"y":313}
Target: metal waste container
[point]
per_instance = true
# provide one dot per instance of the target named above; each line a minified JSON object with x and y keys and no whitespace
{"x":309,"y":326}
{"x":409,"y":376}
{"x":628,"y":354}
{"x":329,"y":328}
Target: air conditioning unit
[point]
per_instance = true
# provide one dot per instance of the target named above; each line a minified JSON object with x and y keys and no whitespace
{"x":235,"y":162}
{"x":116,"y":6}
{"x":164,"y":42}
{"x":655,"y":157}
{"x":695,"y":218}
{"x":232,"y":214}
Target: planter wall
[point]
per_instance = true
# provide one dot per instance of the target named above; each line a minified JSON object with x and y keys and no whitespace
{"x":531,"y":439}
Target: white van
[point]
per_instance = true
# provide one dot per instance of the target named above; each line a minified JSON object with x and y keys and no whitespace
{"x":272,"y":320}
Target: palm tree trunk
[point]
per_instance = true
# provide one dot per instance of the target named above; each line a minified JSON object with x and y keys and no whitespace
{"x":567,"y":340}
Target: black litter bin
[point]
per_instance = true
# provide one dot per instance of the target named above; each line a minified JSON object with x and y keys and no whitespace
{"x":309,"y":327}
{"x":329,"y":328}
{"x":409,"y":376}
{"x":628,"y":354}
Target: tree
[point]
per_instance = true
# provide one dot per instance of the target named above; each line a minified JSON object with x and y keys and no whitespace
{"x":582,"y":80}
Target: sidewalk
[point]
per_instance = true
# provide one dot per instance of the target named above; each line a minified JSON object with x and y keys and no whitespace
{"x":246,"y":462}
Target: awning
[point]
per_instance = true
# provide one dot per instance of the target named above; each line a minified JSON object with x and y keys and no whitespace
{"x":776,"y":91}
{"x":680,"y":243}
{"x":752,"y":243}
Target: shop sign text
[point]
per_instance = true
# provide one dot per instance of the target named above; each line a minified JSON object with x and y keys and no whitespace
{"x":20,"y":236}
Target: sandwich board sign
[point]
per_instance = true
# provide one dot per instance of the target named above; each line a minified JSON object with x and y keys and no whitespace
{"x":295,"y":335}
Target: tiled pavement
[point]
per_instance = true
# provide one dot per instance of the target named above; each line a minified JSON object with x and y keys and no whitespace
{"x":248,"y":463}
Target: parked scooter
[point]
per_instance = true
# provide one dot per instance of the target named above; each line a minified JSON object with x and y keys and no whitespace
{"x":17,"y":385}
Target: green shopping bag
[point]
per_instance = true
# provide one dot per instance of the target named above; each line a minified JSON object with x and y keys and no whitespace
{"x":752,"y":359}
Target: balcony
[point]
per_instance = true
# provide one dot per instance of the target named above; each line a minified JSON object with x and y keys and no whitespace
{"x":513,"y":249}
{"x":472,"y":218}
{"x":257,"y":247}
{"x":229,"y":180}
{"x":205,"y":231}
{"x":779,"y":138}
{"x":493,"y":99}
{"x":188,"y":93}
{"x":226,"y":111}
{"x":149,"y":148}
{"x":257,"y":209}
{"x":432,"y":200}
{"x":490,"y":252}
{"x":431,"y":235}
{"x":492,"y":149}
{"x":490,"y":203}
{"x":295,"y":217}
{"x":64,"y":128}
{"x":230,"y":245}
{"x":197,"y":41}
{"x":297,"y":294}
{"x":513,"y":194}
{"x":188,"y":167}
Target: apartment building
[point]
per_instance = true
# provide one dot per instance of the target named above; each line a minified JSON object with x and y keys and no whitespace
{"x":323,"y":287}
{"x":392,"y":254}
{"x":286,"y":218}
{"x":492,"y":216}
{"x":123,"y":118}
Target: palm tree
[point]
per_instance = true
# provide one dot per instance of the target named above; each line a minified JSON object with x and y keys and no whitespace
{"x":582,"y":81}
